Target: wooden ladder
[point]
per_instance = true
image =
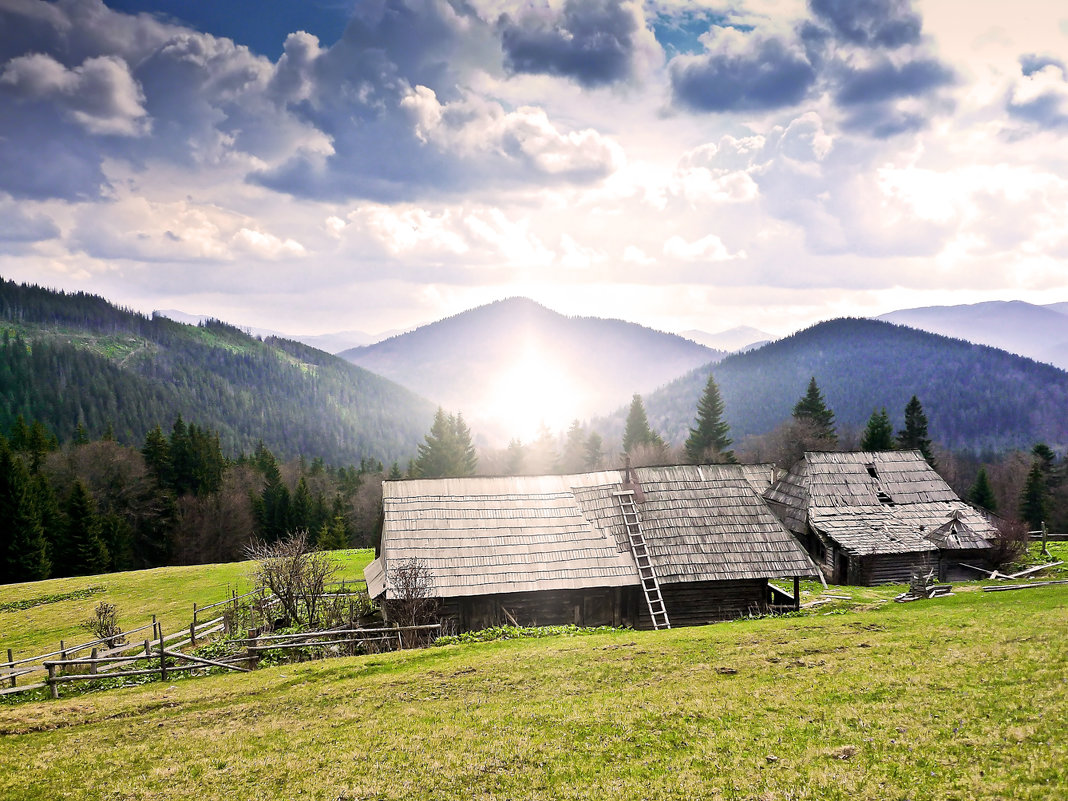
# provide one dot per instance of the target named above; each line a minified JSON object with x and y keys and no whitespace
{"x":650,"y":583}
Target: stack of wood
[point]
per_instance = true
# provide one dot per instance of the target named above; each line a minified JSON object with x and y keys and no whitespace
{"x":923,"y":585}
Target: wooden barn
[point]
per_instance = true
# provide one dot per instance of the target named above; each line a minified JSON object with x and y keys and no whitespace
{"x":647,"y":548}
{"x":879,"y":517}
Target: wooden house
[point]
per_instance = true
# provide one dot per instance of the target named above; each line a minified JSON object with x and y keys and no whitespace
{"x":582,"y":548}
{"x":879,"y":517}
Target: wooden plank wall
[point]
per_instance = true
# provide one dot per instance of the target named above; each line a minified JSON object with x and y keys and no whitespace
{"x":891,"y":568}
{"x":698,"y":603}
{"x":602,"y":606}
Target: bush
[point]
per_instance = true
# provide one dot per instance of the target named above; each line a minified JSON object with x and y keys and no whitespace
{"x":1010,"y":541}
{"x":104,"y":624}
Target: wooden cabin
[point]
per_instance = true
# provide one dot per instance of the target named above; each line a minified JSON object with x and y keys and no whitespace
{"x":544,"y":550}
{"x":878,"y":517}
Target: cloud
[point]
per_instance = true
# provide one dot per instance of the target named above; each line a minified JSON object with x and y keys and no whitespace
{"x":20,"y":228}
{"x":708,"y":248}
{"x":1040,"y":95}
{"x":593,"y":42}
{"x":870,"y":23}
{"x":886,"y":80}
{"x":100,"y":94}
{"x":742,"y":72}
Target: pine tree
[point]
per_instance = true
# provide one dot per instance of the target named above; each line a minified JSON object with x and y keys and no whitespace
{"x":395,"y":472}
{"x":23,"y":547}
{"x":157,"y":453}
{"x":594,"y":451}
{"x":300,"y":509}
{"x":574,"y":456}
{"x":709,"y":439}
{"x":333,"y":535}
{"x":914,"y":435}
{"x":982,"y":493}
{"x":637,"y":431}
{"x":812,"y":409}
{"x":271,"y":506}
{"x":1034,"y":500}
{"x":447,"y":450}
{"x":515,"y":455}
{"x":879,"y":435}
{"x":89,"y":553}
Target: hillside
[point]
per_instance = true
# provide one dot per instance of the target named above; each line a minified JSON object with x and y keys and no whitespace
{"x":975,"y":397}
{"x":806,"y":708}
{"x":517,"y":353}
{"x":1038,"y":332}
{"x":67,"y":359}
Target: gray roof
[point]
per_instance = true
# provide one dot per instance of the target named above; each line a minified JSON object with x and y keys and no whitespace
{"x":877,"y":502}
{"x":492,"y":535}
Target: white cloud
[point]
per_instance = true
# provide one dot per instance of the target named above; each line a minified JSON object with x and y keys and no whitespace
{"x":707,"y":248}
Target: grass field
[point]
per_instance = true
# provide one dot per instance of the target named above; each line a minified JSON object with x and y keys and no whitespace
{"x":167,"y":592}
{"x":959,"y":698}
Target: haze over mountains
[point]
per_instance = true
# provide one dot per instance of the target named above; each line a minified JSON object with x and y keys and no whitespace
{"x":514,"y":364}
{"x":1038,"y":332}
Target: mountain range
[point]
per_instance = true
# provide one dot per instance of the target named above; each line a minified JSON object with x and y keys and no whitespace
{"x":976,"y":397}
{"x":513,"y":364}
{"x":1038,"y":332}
{"x":742,"y":337}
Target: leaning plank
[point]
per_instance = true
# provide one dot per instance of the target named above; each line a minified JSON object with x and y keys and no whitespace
{"x":203,"y":661}
{"x":990,"y":573}
{"x":1003,"y":588}
{"x":1034,"y":569}
{"x":22,"y":689}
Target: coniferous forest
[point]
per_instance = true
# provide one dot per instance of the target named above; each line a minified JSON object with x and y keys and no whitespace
{"x":75,"y":360}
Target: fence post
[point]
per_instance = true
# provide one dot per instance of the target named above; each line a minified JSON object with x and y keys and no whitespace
{"x":193,"y":633}
{"x":253,"y":654}
{"x":162,"y":657}
{"x":92,"y":663}
{"x":53,"y":686}
{"x":148,"y":648}
{"x":194,"y":613}
{"x":10,"y":659}
{"x":1044,"y":531}
{"x":62,"y":656}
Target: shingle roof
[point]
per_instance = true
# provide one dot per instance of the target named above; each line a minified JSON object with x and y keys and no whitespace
{"x":876,"y":502}
{"x":492,"y":535}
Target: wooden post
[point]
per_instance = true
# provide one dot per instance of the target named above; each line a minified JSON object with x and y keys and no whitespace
{"x":194,"y":613}
{"x":62,"y":656}
{"x":193,"y":633}
{"x":148,"y":649}
{"x":1044,"y":532}
{"x":53,"y":686}
{"x":92,"y":662}
{"x":797,"y":593}
{"x":10,"y":659}
{"x":162,"y":657}
{"x":253,"y":654}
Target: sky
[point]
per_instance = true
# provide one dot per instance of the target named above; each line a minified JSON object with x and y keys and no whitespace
{"x":311,"y":166}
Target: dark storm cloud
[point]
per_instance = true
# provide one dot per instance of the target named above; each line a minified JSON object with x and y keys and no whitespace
{"x":742,"y":72}
{"x":870,"y":23}
{"x":593,"y":42}
{"x":888,"y":81}
{"x":18,"y":227}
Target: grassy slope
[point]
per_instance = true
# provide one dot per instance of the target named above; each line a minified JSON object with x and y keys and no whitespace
{"x":960,"y":698}
{"x":168,"y":592}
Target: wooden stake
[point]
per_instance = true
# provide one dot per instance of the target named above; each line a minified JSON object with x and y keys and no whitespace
{"x":797,"y":593}
{"x":92,"y":663}
{"x":162,"y":658}
{"x":11,"y":658}
{"x":52,"y":682}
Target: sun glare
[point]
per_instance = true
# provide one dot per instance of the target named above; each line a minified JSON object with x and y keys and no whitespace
{"x":531,"y":393}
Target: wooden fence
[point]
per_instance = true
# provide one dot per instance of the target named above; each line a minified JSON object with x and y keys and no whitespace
{"x":104,"y":657}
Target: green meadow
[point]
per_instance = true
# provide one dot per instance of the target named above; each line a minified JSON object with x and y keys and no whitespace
{"x":964,"y":697}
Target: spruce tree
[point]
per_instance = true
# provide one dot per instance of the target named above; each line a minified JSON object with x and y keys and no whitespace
{"x":879,"y":435}
{"x":447,"y":450}
{"x":90,"y":555}
{"x":812,"y":409}
{"x":23,"y":547}
{"x":333,"y":536}
{"x":1034,"y":500}
{"x":914,"y":435}
{"x":709,"y":439}
{"x":594,"y":451}
{"x":982,"y":494}
{"x":157,"y":453}
{"x":637,"y":431}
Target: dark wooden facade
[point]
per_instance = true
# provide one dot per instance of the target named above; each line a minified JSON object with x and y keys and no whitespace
{"x":688,"y":604}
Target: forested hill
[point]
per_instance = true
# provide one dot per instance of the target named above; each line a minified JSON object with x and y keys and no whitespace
{"x":67,"y":359}
{"x":975,"y":397}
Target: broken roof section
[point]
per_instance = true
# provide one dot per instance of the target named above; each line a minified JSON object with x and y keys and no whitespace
{"x":528,"y":533}
{"x":877,"y":503}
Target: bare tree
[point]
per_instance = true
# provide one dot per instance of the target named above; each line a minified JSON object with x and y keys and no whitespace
{"x":412,"y":587}
{"x":105,"y":624}
{"x":1010,"y":541}
{"x":296,"y":573}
